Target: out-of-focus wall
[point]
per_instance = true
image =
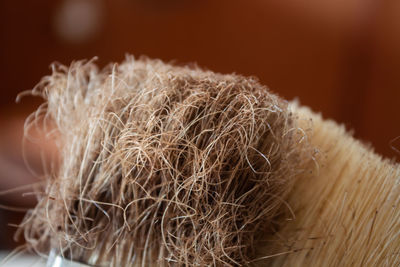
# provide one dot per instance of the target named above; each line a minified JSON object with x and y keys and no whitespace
{"x":339,"y":57}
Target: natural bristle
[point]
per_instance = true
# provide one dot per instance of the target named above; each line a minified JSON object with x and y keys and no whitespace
{"x":163,"y":165}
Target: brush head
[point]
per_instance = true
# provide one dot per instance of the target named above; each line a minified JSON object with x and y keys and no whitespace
{"x":161,"y":164}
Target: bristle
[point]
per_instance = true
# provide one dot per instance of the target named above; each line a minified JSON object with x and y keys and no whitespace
{"x":163,"y":165}
{"x":347,"y":214}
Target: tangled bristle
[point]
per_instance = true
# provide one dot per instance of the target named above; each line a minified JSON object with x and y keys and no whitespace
{"x":162,"y":165}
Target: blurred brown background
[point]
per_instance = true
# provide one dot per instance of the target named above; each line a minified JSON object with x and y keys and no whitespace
{"x":340,"y":57}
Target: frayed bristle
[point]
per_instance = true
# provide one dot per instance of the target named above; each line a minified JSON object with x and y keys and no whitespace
{"x":163,"y":165}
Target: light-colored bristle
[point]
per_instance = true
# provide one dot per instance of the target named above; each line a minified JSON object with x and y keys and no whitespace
{"x":347,"y":213}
